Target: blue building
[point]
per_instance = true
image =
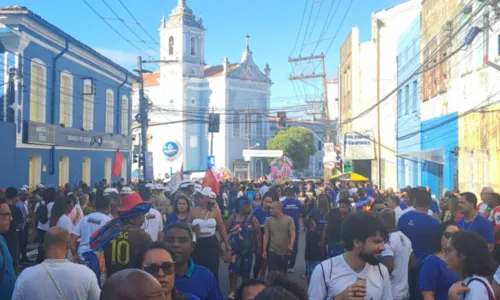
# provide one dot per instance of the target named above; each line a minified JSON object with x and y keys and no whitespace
{"x":408,"y":107}
{"x":65,"y":109}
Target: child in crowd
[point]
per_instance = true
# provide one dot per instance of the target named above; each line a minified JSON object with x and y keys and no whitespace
{"x":313,"y":255}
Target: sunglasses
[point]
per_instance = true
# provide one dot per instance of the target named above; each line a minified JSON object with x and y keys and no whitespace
{"x":447,"y":235}
{"x":168,"y":268}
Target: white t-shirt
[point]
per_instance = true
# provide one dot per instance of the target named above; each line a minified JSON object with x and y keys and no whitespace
{"x":477,"y":290}
{"x":86,"y":228}
{"x":75,"y":281}
{"x":153,"y":223}
{"x":399,"y":248}
{"x":412,"y":208}
{"x":66,"y":223}
{"x":339,"y":275}
{"x":497,"y":275}
{"x":397,"y":213}
{"x":44,"y":226}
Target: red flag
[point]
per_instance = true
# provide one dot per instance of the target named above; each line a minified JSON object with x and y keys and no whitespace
{"x":182,"y":171}
{"x":211,"y":181}
{"x":117,"y":165}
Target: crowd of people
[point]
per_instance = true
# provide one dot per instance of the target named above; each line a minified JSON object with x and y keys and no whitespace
{"x":153,"y":241}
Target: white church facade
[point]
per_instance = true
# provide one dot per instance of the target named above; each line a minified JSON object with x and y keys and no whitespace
{"x":185,"y":90}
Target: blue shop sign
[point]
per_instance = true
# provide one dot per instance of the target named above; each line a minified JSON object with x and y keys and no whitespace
{"x":170,"y":149}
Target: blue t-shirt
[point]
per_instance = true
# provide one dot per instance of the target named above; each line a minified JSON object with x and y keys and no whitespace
{"x":198,"y":281}
{"x":261,"y":215}
{"x":436,"y":277}
{"x":172,"y":219}
{"x":419,"y":227}
{"x":293,"y":208}
{"x":9,"y":277}
{"x":250,"y":194}
{"x":402,"y":204}
{"x":319,"y":218}
{"x":435,"y":207}
{"x":333,"y":197}
{"x":479,"y":225}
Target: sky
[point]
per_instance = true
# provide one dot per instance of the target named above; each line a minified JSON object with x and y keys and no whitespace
{"x":273,"y":26}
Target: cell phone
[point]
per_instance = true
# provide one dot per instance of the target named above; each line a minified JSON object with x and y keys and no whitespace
{"x":361,"y":281}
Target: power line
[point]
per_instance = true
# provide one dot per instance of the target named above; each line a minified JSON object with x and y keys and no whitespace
{"x":114,"y":29}
{"x":300,"y":27}
{"x":137,"y":22}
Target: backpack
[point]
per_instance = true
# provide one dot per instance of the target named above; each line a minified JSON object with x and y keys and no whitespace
{"x":490,"y":294}
{"x":94,"y":259}
{"x":42,"y":213}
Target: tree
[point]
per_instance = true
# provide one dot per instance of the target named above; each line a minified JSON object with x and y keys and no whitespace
{"x":297,"y":143}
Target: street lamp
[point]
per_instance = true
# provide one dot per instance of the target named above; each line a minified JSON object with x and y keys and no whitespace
{"x":254,"y":146}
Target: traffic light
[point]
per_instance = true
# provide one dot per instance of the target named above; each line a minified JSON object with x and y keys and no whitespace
{"x":281,"y":119}
{"x":135,"y":158}
{"x":338,"y":152}
{"x":213,"y":122}
{"x":141,"y":160}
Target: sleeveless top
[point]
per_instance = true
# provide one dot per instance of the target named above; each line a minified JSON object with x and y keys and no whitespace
{"x":241,"y":235}
{"x":207,"y":227}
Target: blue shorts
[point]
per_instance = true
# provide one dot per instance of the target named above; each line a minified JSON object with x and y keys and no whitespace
{"x":310,"y":265}
{"x":241,"y":264}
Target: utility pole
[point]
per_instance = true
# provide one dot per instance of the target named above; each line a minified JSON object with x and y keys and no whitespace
{"x":143,"y":109}
{"x":379,"y":144}
{"x":325,"y":113}
{"x":212,"y":140}
{"x":247,"y":122}
{"x":143,"y":115}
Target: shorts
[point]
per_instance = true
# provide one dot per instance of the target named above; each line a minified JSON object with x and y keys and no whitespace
{"x":241,"y":264}
{"x":276,"y":262}
{"x":310,"y":265}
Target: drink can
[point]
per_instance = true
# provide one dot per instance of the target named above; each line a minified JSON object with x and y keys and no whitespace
{"x":361,"y":281}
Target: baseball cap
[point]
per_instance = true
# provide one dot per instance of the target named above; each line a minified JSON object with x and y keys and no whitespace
{"x":158,"y":186}
{"x":206,"y":191}
{"x":110,"y":190}
{"x":243,"y":201}
{"x":40,"y":186}
{"x":149,"y":185}
{"x":130,"y":201}
{"x":126,"y":190}
{"x":185,"y":183}
{"x":213,"y":195}
{"x":197,"y":188}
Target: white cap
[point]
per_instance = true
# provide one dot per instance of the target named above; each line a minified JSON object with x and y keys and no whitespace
{"x":149,"y":185}
{"x":24,"y":187}
{"x":109,"y":190}
{"x":213,"y":195}
{"x":197,"y":188}
{"x":126,"y":190}
{"x":158,"y":186}
{"x":185,"y":183}
{"x":40,"y":186}
{"x":206,"y":191}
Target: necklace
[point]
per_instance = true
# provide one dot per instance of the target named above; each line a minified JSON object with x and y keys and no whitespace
{"x":55,"y":261}
{"x":470,"y":225}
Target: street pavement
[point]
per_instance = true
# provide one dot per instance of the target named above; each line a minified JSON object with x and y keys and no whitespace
{"x":300,"y":269}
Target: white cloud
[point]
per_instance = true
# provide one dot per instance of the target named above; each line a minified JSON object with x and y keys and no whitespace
{"x":127,"y":59}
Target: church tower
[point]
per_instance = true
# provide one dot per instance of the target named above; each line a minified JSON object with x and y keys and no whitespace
{"x":182,"y":39}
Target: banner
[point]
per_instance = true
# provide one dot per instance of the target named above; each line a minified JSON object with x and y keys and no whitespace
{"x":359,"y":146}
{"x":329,"y":153}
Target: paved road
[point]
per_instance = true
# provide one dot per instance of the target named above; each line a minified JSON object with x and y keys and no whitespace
{"x":300,"y":269}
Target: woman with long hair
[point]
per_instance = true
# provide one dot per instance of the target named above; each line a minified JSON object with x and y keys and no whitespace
{"x":207,"y":221}
{"x":59,"y":213}
{"x":159,"y":261}
{"x":182,"y":207}
{"x":435,"y":279}
{"x":331,"y":234}
{"x":320,"y":213}
{"x":468,"y":255}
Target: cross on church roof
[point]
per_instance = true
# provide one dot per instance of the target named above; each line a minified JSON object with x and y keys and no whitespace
{"x":248,"y":41}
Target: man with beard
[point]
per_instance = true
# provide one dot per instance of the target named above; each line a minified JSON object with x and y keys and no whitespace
{"x":357,"y":273}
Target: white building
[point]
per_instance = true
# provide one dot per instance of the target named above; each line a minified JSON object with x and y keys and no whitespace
{"x":185,"y":90}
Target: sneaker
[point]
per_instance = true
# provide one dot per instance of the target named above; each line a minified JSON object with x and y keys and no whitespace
{"x":231,"y":296}
{"x":290,"y":270}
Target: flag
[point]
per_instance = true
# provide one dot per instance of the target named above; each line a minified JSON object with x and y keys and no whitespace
{"x":117,"y":165}
{"x":174,"y":183}
{"x":182,"y":171}
{"x":211,"y":181}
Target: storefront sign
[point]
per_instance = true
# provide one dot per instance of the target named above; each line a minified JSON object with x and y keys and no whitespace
{"x":53,"y":135}
{"x":359,"y":146}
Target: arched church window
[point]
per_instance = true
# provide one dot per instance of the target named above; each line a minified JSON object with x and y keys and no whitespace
{"x":171,"y":46}
{"x":193,"y":45}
